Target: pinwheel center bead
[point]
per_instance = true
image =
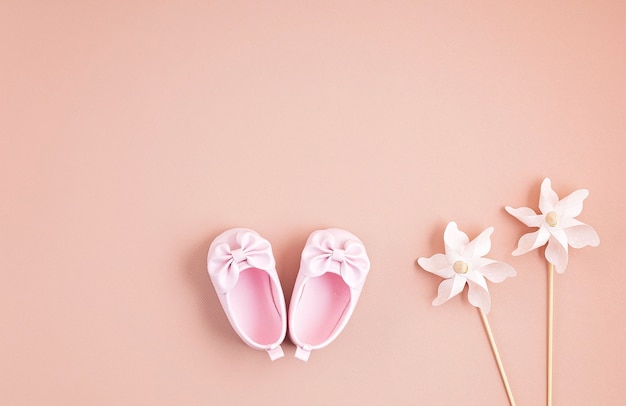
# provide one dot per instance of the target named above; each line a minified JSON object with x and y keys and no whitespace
{"x":238,"y":255}
{"x":552,"y":218}
{"x":460,"y":267}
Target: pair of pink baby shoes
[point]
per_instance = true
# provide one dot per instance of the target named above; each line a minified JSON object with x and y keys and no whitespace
{"x":333,"y":269}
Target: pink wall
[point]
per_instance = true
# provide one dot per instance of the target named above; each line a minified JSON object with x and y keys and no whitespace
{"x":133,"y":132}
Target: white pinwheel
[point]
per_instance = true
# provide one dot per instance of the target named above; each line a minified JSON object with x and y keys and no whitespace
{"x":464,"y":262}
{"x":557,"y":225}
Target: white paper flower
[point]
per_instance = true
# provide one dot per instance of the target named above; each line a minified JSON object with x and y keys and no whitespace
{"x":463,"y":263}
{"x":557,"y":225}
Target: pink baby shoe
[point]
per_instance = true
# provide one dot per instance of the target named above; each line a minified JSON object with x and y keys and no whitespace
{"x":243,"y":271}
{"x":333,"y":269}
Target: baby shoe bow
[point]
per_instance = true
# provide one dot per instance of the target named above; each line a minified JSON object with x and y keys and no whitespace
{"x":323,"y":255}
{"x":226,"y":263}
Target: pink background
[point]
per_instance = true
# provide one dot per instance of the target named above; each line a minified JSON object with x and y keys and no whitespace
{"x":132,"y":133}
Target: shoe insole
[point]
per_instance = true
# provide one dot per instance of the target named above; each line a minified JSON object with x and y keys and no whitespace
{"x":254,"y":308}
{"x":322,"y":304}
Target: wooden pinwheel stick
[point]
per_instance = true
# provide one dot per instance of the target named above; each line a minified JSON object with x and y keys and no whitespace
{"x":550,"y":327}
{"x":496,"y":354}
